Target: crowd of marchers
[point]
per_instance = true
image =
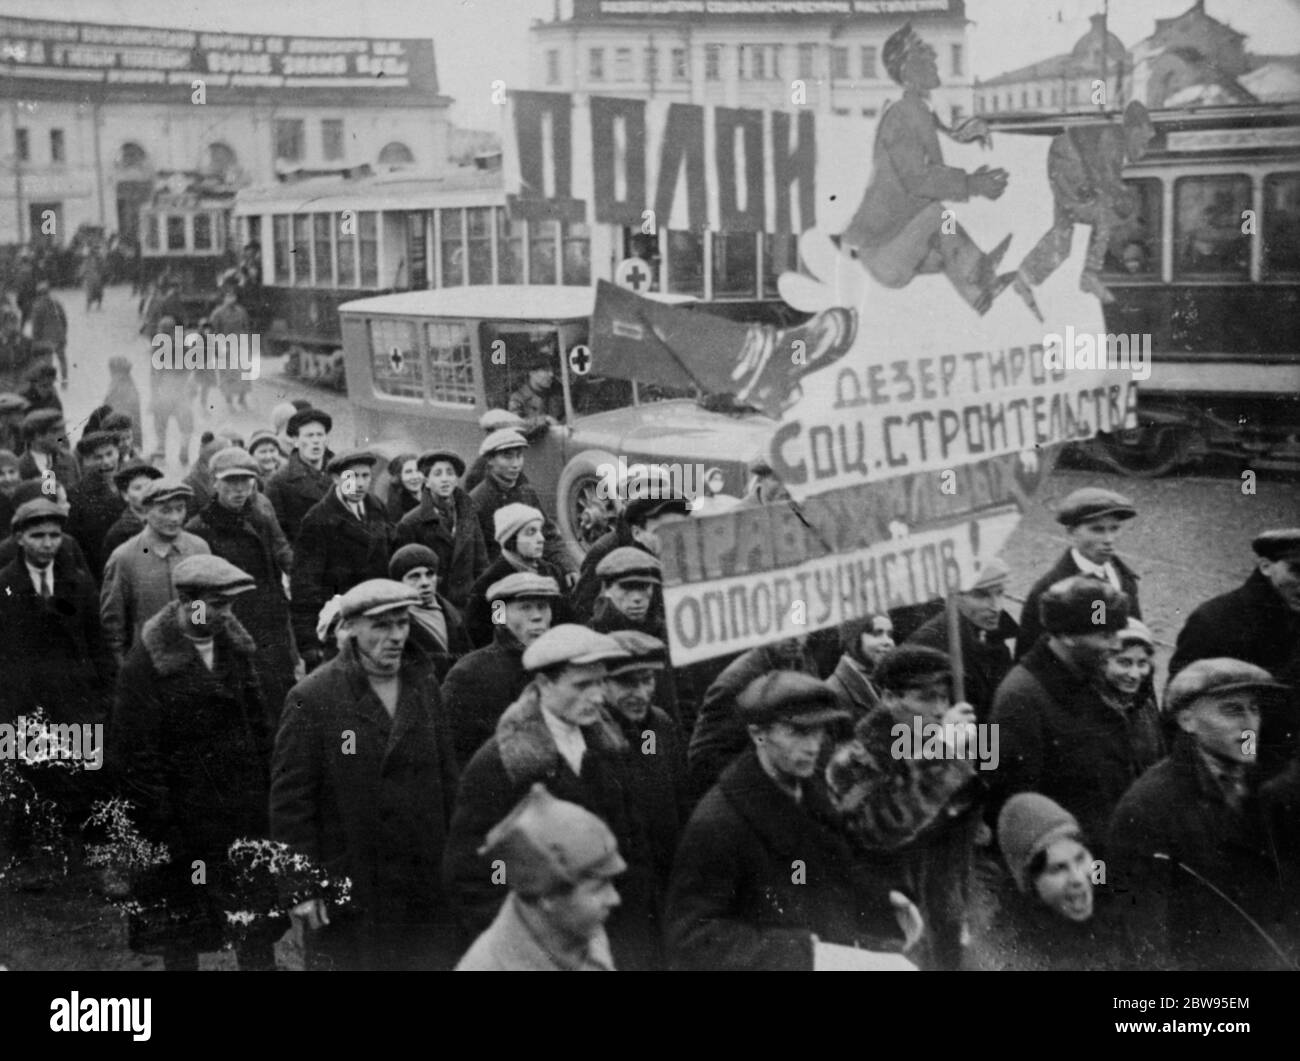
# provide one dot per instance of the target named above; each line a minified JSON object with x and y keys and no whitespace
{"x":428,"y":695}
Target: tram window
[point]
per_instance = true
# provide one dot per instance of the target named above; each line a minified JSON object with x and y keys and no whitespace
{"x":302,"y":250}
{"x":151,"y":232}
{"x":577,"y":254}
{"x":1134,"y":248}
{"x":324,"y":256}
{"x":202,"y":232}
{"x":453,"y":248}
{"x":541,"y":252}
{"x":685,"y":263}
{"x":368,"y":242}
{"x":417,"y":241}
{"x":175,"y":232}
{"x":1208,"y":240}
{"x":451,"y":362}
{"x":778,"y":257}
{"x":510,"y":249}
{"x":735,"y":263}
{"x":1282,"y":224}
{"x":280,"y":241}
{"x":478,"y":231}
{"x":394,"y":359}
{"x":347,"y":246}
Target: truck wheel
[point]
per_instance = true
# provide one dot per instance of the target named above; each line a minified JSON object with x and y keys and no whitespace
{"x":582,"y":514}
{"x":1144,"y":452}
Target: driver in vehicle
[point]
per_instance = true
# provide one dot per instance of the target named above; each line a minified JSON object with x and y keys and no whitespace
{"x":539,"y":400}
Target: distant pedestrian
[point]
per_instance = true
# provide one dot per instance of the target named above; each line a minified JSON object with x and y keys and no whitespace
{"x":49,"y":324}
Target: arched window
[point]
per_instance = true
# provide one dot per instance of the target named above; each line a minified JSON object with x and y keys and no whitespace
{"x":132,"y":156}
{"x":396,"y":154}
{"x":222,"y":160}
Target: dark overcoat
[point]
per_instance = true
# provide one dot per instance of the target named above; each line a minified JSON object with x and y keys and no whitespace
{"x":479,"y":688}
{"x":462,"y":554}
{"x":295,"y":489}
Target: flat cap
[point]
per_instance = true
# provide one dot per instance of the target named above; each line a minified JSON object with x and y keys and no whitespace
{"x":1137,"y":632}
{"x":549,"y":844}
{"x":993,"y":572}
{"x":161,"y":490}
{"x":1282,"y":544}
{"x":788,"y":696}
{"x":308,"y":416}
{"x":430,"y":457}
{"x":647,"y":652}
{"x":630,"y":563}
{"x":263,"y":436}
{"x":93,"y":440}
{"x":907,"y":666}
{"x":1083,"y":605}
{"x":409,"y":557}
{"x":570,"y":643}
{"x":211,"y":574}
{"x":38,"y":421}
{"x":13,"y":403}
{"x":642,"y":509}
{"x":1093,"y":502}
{"x":522,"y":585}
{"x":351,"y":459}
{"x":509,"y":520}
{"x":133,"y":470}
{"x":233,"y":462}
{"x":38,"y":510}
{"x":502,"y":439}
{"x":1213,"y":677}
{"x":496,"y":419}
{"x":375,"y":597}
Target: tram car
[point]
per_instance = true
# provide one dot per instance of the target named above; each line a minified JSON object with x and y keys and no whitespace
{"x":1209,"y":268}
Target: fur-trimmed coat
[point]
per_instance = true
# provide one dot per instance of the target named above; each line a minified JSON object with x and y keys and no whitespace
{"x":500,"y":774}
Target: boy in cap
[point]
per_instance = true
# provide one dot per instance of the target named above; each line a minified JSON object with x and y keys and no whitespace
{"x":192,"y":749}
{"x":560,"y":862}
{"x":45,"y":434}
{"x":1058,"y":735}
{"x":558,"y":732}
{"x":479,"y":688}
{"x":264,"y":447}
{"x":437,"y":627}
{"x":297,"y":487}
{"x":492,"y":421}
{"x":138,"y":575}
{"x":1093,"y":519}
{"x":984,"y":627}
{"x":1190,"y":852}
{"x":362,"y":784}
{"x":132,"y":481}
{"x":94,"y":503}
{"x":737,"y":898}
{"x":445,"y":520}
{"x":343,"y":540}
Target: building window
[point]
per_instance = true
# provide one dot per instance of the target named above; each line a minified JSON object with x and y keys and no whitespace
{"x":1038,"y":97}
{"x":995,"y":101}
{"x":478,"y":241}
{"x":331,"y":138}
{"x":1074,"y":93}
{"x":869,"y":112}
{"x":289,"y":138}
{"x":1024,"y":99}
{"x":623,"y":64}
{"x":553,"y":66}
{"x":869,"y":62}
{"x":202,"y":232}
{"x":282,"y":247}
{"x":394,"y":359}
{"x":175,"y":232}
{"x":753,"y":62}
{"x":23,"y":145}
{"x":396,"y":154}
{"x":451,"y":364}
{"x":57,"y":150}
{"x":1056,"y":97}
{"x":841,"y":112}
{"x":957,"y":61}
{"x":839,"y":63}
{"x":510,"y":249}
{"x":596,"y":64}
{"x":713,"y":62}
{"x":453,"y":248}
{"x":807,"y":52}
{"x":681,"y":65}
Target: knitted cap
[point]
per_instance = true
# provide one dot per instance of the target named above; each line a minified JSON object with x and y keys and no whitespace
{"x":1029,"y":823}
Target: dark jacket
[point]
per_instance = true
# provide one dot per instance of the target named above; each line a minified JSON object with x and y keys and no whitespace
{"x":1174,"y":920}
{"x":376,"y":808}
{"x":521,"y":752}
{"x":64,"y":467}
{"x":735,"y":901}
{"x":587,"y":589}
{"x":334,"y":552}
{"x":52,"y":653}
{"x":295,"y":489}
{"x":478,"y":613}
{"x":479,"y":688}
{"x":657,"y":768}
{"x":251,"y":540}
{"x":399,"y":502}
{"x":985,"y":660}
{"x":489,"y":496}
{"x":1058,"y":737}
{"x":462,"y":554}
{"x":192,"y":749}
{"x":1031,"y":629}
{"x":1024,"y":935}
{"x":94,"y":505}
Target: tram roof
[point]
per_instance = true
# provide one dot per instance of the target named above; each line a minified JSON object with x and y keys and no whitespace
{"x":519,"y":302}
{"x":397,"y":190}
{"x":1240,"y":116}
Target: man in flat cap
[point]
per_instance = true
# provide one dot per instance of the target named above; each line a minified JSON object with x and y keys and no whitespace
{"x":47,"y":456}
{"x":138,"y":576}
{"x":984,"y":626}
{"x":345,"y":539}
{"x":1058,"y":736}
{"x":437,"y":626}
{"x":94,"y":503}
{"x":479,"y":688}
{"x":39,"y":390}
{"x":560,"y":733}
{"x":503,"y":485}
{"x":192,"y":750}
{"x":445,"y":520}
{"x":296,"y":488}
{"x":246,"y":534}
{"x":764,"y":874}
{"x":559,"y":862}
{"x":1258,"y":622}
{"x":1191,"y":857}
{"x":362,"y":784}
{"x":1093,"y":518}
{"x":132,"y":482}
